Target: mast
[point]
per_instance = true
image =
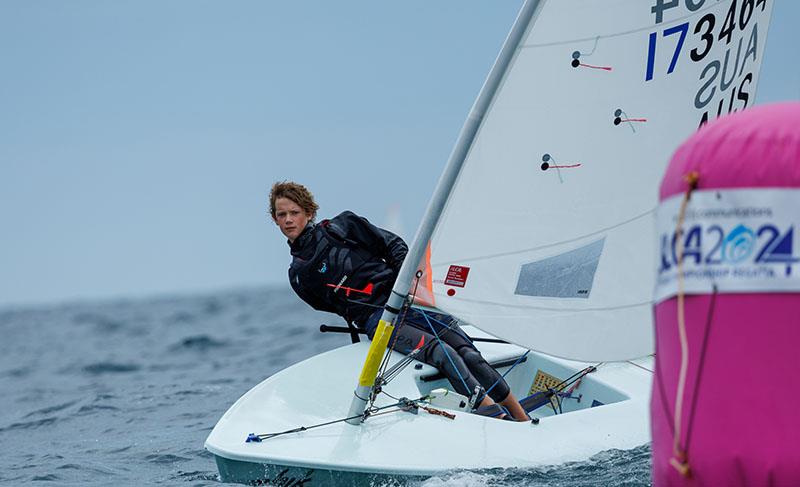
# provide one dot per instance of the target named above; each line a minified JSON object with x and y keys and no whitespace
{"x":437,"y":203}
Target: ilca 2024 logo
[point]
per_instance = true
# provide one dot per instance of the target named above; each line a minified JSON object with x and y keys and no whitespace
{"x":734,"y":241}
{"x":739,"y":251}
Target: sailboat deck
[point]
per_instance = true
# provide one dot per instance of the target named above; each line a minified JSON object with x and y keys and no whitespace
{"x":318,"y":390}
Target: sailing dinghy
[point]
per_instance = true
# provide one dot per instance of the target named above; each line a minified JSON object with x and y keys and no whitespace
{"x":539,"y":233}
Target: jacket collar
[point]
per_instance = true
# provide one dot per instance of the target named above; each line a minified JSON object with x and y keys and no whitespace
{"x":302,"y":241}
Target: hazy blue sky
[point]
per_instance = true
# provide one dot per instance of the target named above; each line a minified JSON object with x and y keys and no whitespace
{"x":139,"y":139}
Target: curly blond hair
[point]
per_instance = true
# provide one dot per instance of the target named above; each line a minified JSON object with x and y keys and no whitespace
{"x":295,"y":192}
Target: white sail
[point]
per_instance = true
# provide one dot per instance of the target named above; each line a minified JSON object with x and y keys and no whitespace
{"x":560,"y":260}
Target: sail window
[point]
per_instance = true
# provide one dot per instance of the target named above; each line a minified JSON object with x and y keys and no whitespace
{"x":567,"y":275}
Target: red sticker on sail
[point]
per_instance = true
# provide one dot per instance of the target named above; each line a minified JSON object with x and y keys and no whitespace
{"x":457,"y":276}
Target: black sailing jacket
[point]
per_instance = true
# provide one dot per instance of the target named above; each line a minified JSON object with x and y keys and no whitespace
{"x":340,"y":263}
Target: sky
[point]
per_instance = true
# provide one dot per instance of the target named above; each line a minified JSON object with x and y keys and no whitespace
{"x":139,"y":139}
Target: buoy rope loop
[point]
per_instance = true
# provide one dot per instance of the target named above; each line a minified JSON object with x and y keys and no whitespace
{"x":679,"y":459}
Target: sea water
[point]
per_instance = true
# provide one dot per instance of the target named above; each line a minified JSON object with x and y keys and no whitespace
{"x":125,"y":392}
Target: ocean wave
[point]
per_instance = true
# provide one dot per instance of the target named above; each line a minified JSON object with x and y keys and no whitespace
{"x":101,"y":322}
{"x":199,"y":342}
{"x":166,"y":458}
{"x":93,"y":408}
{"x":110,"y":368}
{"x":26,"y":425}
{"x":50,"y":409}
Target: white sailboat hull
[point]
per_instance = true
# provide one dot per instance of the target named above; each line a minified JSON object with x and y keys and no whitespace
{"x":406,"y":444}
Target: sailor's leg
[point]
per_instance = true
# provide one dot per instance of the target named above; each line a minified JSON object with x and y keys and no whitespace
{"x":515,"y":408}
{"x":494,"y":383}
{"x":496,"y":387}
{"x":409,"y":337}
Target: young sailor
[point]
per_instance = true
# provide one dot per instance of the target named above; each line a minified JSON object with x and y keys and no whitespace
{"x":348,"y":266}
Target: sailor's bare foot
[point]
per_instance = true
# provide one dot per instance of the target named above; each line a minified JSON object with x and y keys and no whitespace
{"x":515,"y":408}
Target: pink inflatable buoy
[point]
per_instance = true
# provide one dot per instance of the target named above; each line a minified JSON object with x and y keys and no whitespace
{"x":725,"y":409}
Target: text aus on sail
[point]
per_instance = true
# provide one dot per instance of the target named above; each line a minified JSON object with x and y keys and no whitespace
{"x":725,"y":42}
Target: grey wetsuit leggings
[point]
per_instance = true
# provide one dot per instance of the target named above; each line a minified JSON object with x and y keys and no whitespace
{"x":452,"y":353}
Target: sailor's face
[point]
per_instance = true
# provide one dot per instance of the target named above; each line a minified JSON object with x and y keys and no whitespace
{"x":290,"y":218}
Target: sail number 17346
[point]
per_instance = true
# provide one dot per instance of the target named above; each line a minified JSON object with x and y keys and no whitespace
{"x":708,"y":30}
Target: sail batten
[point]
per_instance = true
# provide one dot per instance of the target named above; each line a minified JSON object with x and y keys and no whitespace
{"x":648,"y":28}
{"x":649,"y":213}
{"x":544,"y":308}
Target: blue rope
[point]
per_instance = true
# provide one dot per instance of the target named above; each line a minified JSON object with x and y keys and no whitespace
{"x":445,"y":325}
{"x":520,"y":359}
{"x":446,"y":353}
{"x":458,"y":330}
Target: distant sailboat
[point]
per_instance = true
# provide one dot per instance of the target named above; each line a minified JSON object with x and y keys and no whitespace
{"x":539,"y":233}
{"x":394,"y":221}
